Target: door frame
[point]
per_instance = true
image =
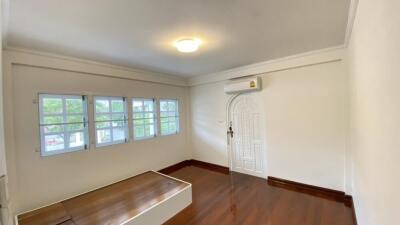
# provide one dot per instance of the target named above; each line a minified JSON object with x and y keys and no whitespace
{"x":229,"y":139}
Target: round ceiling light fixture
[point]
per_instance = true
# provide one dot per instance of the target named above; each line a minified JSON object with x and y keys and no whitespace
{"x":188,"y":45}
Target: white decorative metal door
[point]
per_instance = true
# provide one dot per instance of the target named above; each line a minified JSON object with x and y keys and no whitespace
{"x":245,"y":132}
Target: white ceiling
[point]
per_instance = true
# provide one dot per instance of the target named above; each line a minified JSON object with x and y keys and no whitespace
{"x":140,"y":33}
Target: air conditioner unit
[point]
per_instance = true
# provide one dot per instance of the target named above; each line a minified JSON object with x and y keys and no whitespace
{"x":243,"y":85}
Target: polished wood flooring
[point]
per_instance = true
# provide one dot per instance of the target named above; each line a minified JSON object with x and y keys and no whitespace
{"x":237,"y":199}
{"x":113,"y":204}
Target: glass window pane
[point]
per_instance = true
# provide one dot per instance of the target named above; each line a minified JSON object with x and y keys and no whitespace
{"x":138,"y":115}
{"x":116,"y":117}
{"x":149,"y":115}
{"x":172,"y":119}
{"x":117,"y":105}
{"x":149,"y":121}
{"x":172,"y":127}
{"x":164,"y":128}
{"x":173,"y":114}
{"x":53,"y":128}
{"x":103,"y":136}
{"x":76,"y":139}
{"x":138,"y":122}
{"x":164,"y":114}
{"x":119,"y":116}
{"x":52,"y":105}
{"x":102,"y":106}
{"x":75,"y":119}
{"x":118,"y":134}
{"x":118,"y":123}
{"x":53,"y":119}
{"x":103,"y":124}
{"x":164,"y":120}
{"x":139,"y":131}
{"x":163,"y":105}
{"x":141,"y":118}
{"x":54,"y":142}
{"x":171,"y":106}
{"x":103,"y":117}
{"x":152,"y":130}
{"x":149,"y":131}
{"x":137,"y":106}
{"x":149,"y":106}
{"x":74,"y":105}
{"x":75,"y":127}
{"x":62,"y":127}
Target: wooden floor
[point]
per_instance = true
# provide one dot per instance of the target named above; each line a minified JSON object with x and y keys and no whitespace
{"x":113,"y":204}
{"x":221,"y":199}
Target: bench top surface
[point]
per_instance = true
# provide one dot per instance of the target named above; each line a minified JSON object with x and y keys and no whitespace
{"x":113,"y":204}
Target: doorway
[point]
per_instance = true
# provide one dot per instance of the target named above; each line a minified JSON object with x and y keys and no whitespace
{"x":245,"y":136}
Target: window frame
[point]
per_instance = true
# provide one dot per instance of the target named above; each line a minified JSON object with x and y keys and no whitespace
{"x":177,"y":116}
{"x":65,"y":132}
{"x":125,"y":120}
{"x":155,"y":118}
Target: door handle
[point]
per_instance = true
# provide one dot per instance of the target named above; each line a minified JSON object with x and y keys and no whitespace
{"x":230,"y":131}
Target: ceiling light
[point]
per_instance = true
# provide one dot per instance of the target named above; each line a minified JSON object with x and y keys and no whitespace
{"x":188,"y":45}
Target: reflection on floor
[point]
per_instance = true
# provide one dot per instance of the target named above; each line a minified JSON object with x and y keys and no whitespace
{"x":223,"y":199}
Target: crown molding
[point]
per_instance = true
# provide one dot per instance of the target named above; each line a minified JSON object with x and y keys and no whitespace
{"x":300,"y":60}
{"x":34,"y":58}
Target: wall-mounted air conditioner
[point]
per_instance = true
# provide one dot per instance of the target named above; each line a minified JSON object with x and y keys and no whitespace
{"x":243,"y":85}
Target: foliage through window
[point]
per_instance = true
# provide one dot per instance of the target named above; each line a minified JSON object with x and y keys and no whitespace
{"x":144,"y":118}
{"x":110,"y":120}
{"x":169,"y":116}
{"x":63,"y":123}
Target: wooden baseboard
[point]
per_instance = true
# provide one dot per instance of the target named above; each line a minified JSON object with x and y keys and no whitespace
{"x":349,"y":202}
{"x":210,"y":166}
{"x":316,"y":191}
{"x":197,"y":163}
{"x":175,"y":167}
{"x":311,"y":189}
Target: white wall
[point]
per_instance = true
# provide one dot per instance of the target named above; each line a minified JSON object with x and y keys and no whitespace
{"x":374,"y":56}
{"x":305,"y":119}
{"x":36,"y":180}
{"x":208,"y":123}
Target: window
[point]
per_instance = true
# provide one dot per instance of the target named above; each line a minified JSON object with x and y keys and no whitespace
{"x":144,"y":118}
{"x":169,"y":116}
{"x":110,"y":120}
{"x":63,"y":123}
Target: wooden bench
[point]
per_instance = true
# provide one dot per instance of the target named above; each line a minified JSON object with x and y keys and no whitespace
{"x":148,"y":198}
